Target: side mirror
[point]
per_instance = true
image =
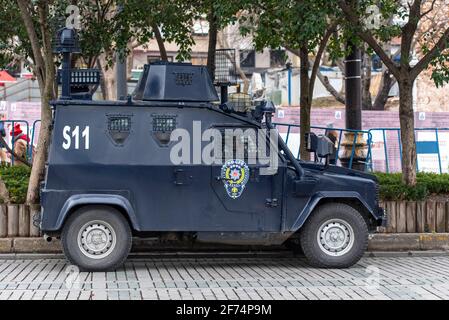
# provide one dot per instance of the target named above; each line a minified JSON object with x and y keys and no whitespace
{"x":321,"y":145}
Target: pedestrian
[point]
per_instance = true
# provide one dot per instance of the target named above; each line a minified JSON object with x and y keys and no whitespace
{"x":333,"y":136}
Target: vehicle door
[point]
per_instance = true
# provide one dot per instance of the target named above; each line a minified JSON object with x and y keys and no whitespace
{"x":246,"y":197}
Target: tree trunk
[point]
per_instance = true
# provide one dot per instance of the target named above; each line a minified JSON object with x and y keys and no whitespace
{"x":244,"y":79}
{"x":102,"y":81}
{"x":304,"y":101}
{"x":213,"y":31}
{"x":108,"y":78}
{"x":45,"y":71}
{"x":40,"y":157}
{"x":367,"y":103}
{"x":383,"y":94}
{"x":129,"y":62}
{"x":406,"y":117}
{"x":160,"y":42}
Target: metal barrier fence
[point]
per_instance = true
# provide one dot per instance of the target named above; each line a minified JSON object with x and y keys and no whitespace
{"x":389,"y":139}
{"x":30,"y":131}
{"x":392,"y":147}
{"x":294,"y":128}
{"x":36,"y":123}
{"x":13,"y":135}
{"x":390,"y":143}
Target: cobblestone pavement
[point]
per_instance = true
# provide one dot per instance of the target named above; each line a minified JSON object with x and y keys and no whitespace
{"x":228,"y":277}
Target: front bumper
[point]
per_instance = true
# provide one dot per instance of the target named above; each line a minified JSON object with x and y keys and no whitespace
{"x":382,"y":214}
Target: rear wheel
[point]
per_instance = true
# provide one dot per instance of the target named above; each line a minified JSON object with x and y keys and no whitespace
{"x":96,"y":238}
{"x":334,"y":236}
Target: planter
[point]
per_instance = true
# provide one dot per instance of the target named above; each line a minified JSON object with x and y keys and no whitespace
{"x":417,"y":216}
{"x":16,"y":220}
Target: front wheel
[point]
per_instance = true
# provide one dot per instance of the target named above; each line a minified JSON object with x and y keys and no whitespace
{"x":334,"y":236}
{"x":96,"y":238}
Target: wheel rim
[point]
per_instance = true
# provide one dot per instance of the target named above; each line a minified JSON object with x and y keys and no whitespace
{"x":97,"y":239}
{"x":335,"y":237}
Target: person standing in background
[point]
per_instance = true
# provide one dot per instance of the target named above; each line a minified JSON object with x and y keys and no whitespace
{"x":20,"y":142}
{"x":333,"y":136}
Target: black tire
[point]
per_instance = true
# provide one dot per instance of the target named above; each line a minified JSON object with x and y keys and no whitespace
{"x":317,"y":254}
{"x":100,"y":217}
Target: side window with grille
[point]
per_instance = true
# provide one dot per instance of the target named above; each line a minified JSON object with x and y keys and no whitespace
{"x":162,"y":127}
{"x":119,"y":128}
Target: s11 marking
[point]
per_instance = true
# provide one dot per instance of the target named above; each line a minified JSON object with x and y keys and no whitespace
{"x":72,"y":137}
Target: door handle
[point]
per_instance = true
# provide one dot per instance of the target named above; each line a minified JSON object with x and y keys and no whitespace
{"x":181,"y":177}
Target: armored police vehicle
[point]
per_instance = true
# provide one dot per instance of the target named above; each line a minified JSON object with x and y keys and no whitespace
{"x":160,"y":164}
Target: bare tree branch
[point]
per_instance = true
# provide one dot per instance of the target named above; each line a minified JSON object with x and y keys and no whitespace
{"x":441,"y":45}
{"x":325,"y":81}
{"x":160,"y":41}
{"x":408,"y":32}
{"x":319,"y":54}
{"x":428,"y":11}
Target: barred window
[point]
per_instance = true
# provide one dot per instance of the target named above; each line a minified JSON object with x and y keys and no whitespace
{"x":119,"y":123}
{"x":119,"y":128}
{"x":163,"y":125}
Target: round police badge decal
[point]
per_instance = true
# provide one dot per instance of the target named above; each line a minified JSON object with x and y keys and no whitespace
{"x":235,"y":175}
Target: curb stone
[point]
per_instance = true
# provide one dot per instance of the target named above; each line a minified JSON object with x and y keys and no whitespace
{"x":409,"y":241}
{"x":5,"y":245}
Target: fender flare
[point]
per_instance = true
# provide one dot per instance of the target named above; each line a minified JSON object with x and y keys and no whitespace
{"x":105,"y":199}
{"x":317,"y":197}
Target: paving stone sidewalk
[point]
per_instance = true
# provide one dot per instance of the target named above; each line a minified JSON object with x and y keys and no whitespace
{"x":228,"y":277}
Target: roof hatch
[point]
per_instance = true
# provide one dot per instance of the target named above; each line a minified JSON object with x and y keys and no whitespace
{"x":165,"y":81}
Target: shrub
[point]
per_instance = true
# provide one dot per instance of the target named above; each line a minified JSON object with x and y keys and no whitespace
{"x":428,"y":184}
{"x":16,"y":181}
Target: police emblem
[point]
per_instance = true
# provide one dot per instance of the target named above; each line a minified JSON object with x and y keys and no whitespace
{"x":235,"y":175}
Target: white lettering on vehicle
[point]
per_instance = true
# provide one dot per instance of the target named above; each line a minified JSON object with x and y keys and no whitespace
{"x":70,"y":136}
